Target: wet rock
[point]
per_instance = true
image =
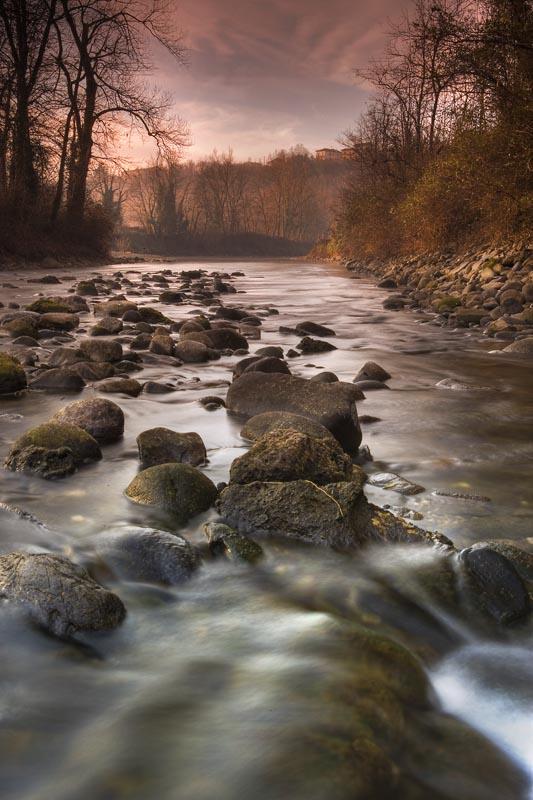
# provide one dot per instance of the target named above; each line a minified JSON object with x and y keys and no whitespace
{"x":70,"y":304}
{"x":87,"y":289}
{"x":127,"y":386}
{"x":21,"y":326}
{"x":288,"y":455}
{"x":66,"y":443}
{"x":325,"y":377}
{"x":497,"y":585}
{"x":220,"y":339}
{"x":164,"y":446}
{"x":147,"y":555}
{"x":178,"y":488}
{"x":153,"y":316}
{"x":395,"y":483}
{"x":271,"y":351}
{"x":212,"y":402}
{"x":309,"y":346}
{"x":100,"y":418}
{"x":192,"y":352}
{"x":224,"y":540}
{"x":469,"y":316}
{"x":393,"y":303}
{"x":171,"y":298}
{"x":370,"y":386}
{"x":12,"y":376}
{"x":258,"y":426}
{"x":107,"y":326}
{"x":387,"y":283}
{"x":141,"y":342}
{"x":93,"y":371}
{"x":522,"y":347}
{"x":162,"y":345}
{"x":335,"y":515}
{"x":45,"y":279}
{"x":57,"y":594}
{"x":332,"y":405}
{"x":59,"y":322}
{"x":372,"y":372}
{"x":156,"y":387}
{"x":65,"y":357}
{"x":114,"y":308}
{"x":99,"y":350}
{"x":314,"y":329}
{"x":267,"y":364}
{"x":62,"y":379}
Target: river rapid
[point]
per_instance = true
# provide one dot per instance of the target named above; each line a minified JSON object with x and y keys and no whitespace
{"x":250,"y":682}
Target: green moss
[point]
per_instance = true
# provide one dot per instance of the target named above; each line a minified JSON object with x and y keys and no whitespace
{"x":53,"y":436}
{"x":12,"y":376}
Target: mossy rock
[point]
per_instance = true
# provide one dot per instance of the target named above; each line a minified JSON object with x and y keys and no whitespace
{"x":448,"y":303}
{"x":261,"y":424}
{"x":21,"y":326}
{"x":100,"y":418}
{"x":178,"y":488}
{"x":55,"y":305}
{"x":12,"y":376}
{"x":289,"y":455}
{"x":52,"y":436}
{"x":153,"y":316}
{"x":164,"y":446}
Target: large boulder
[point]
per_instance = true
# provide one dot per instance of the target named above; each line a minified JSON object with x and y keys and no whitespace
{"x":191,"y":352}
{"x":52,"y":450}
{"x":164,"y":446}
{"x":289,"y":455}
{"x":331,"y":404}
{"x":178,"y":488}
{"x":70,"y":304}
{"x":522,"y":347}
{"x":62,"y":379}
{"x":57,"y":594}
{"x":101,"y":418}
{"x":147,"y":555}
{"x":99,"y":350}
{"x":335,"y":515}
{"x":494,"y":583}
{"x":59,"y":322}
{"x":314,"y":329}
{"x":261,"y":424}
{"x":12,"y":376}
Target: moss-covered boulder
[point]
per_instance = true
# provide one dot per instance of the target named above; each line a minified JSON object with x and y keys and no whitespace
{"x":261,"y":424}
{"x":21,"y":326}
{"x":100,"y":418}
{"x":335,"y":515}
{"x":127,"y":386}
{"x":12,"y":376}
{"x":178,"y":488}
{"x":164,"y":446}
{"x":61,"y":305}
{"x":331,"y":404}
{"x":289,"y":455}
{"x":226,"y":541}
{"x":57,"y":594}
{"x":52,"y":450}
{"x":153,"y":316}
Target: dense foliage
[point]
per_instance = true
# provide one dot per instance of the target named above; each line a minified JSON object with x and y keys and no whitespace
{"x":445,"y":147}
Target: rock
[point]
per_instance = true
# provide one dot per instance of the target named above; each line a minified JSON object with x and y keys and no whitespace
{"x":309,"y":346}
{"x":114,"y":308}
{"x":224,"y":540}
{"x":212,"y":402}
{"x":128,"y":386}
{"x":330,"y":404}
{"x":12,"y":376}
{"x":87,"y":289}
{"x":29,"y":452}
{"x":335,"y":515}
{"x":372,"y":372}
{"x":389,"y":480}
{"x":141,"y":342}
{"x":220,"y":339}
{"x":171,"y":298}
{"x":100,"y":418}
{"x":522,"y":347}
{"x":156,"y":387}
{"x":98,"y":350}
{"x":393,"y":303}
{"x":288,"y":455}
{"x":21,"y":326}
{"x":65,"y":357}
{"x":70,"y":304}
{"x":258,"y":426}
{"x":313,"y":328}
{"x":57,"y":594}
{"x":178,"y":488}
{"x":191,"y":352}
{"x":147,"y":555}
{"x":162,"y":345}
{"x":369,"y":386}
{"x":325,"y":377}
{"x":469,"y":316}
{"x":107,"y":326}
{"x":45,"y":279}
{"x":94,"y":371}
{"x":58,"y":380}
{"x":267,"y":364}
{"x":271,"y":351}
{"x":497,"y":585}
{"x":164,"y":446}
{"x":387,"y":283}
{"x":59,"y":322}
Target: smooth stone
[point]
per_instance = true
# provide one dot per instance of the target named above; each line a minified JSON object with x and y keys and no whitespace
{"x":58,"y":380}
{"x":325,"y":377}
{"x":372,"y":372}
{"x":395,"y":483}
{"x":309,"y":346}
{"x":165,"y":446}
{"x":497,"y":585}
{"x":57,"y":594}
{"x":314,"y":329}
{"x":178,"y":488}
{"x":98,"y":350}
{"x":127,"y":386}
{"x":192,"y":352}
{"x":101,"y":418}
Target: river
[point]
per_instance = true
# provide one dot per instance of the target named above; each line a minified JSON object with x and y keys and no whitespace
{"x":203,"y":691}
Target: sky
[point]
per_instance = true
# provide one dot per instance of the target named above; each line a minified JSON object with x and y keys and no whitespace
{"x":269,"y":74}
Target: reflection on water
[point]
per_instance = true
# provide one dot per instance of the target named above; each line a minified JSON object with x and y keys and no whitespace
{"x":276,"y":682}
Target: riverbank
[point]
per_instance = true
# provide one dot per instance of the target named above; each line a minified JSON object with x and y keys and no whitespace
{"x":486,"y":287}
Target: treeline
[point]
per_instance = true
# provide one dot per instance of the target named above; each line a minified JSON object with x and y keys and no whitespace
{"x":289,"y":198}
{"x":445,"y":147}
{"x":72,"y":75}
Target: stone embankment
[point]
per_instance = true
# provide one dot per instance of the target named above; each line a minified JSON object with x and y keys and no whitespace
{"x":487,"y":287}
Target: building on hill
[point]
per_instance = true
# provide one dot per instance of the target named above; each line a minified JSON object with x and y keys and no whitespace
{"x":328,"y":154}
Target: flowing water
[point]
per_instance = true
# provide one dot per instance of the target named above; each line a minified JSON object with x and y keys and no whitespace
{"x":250,"y":682}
